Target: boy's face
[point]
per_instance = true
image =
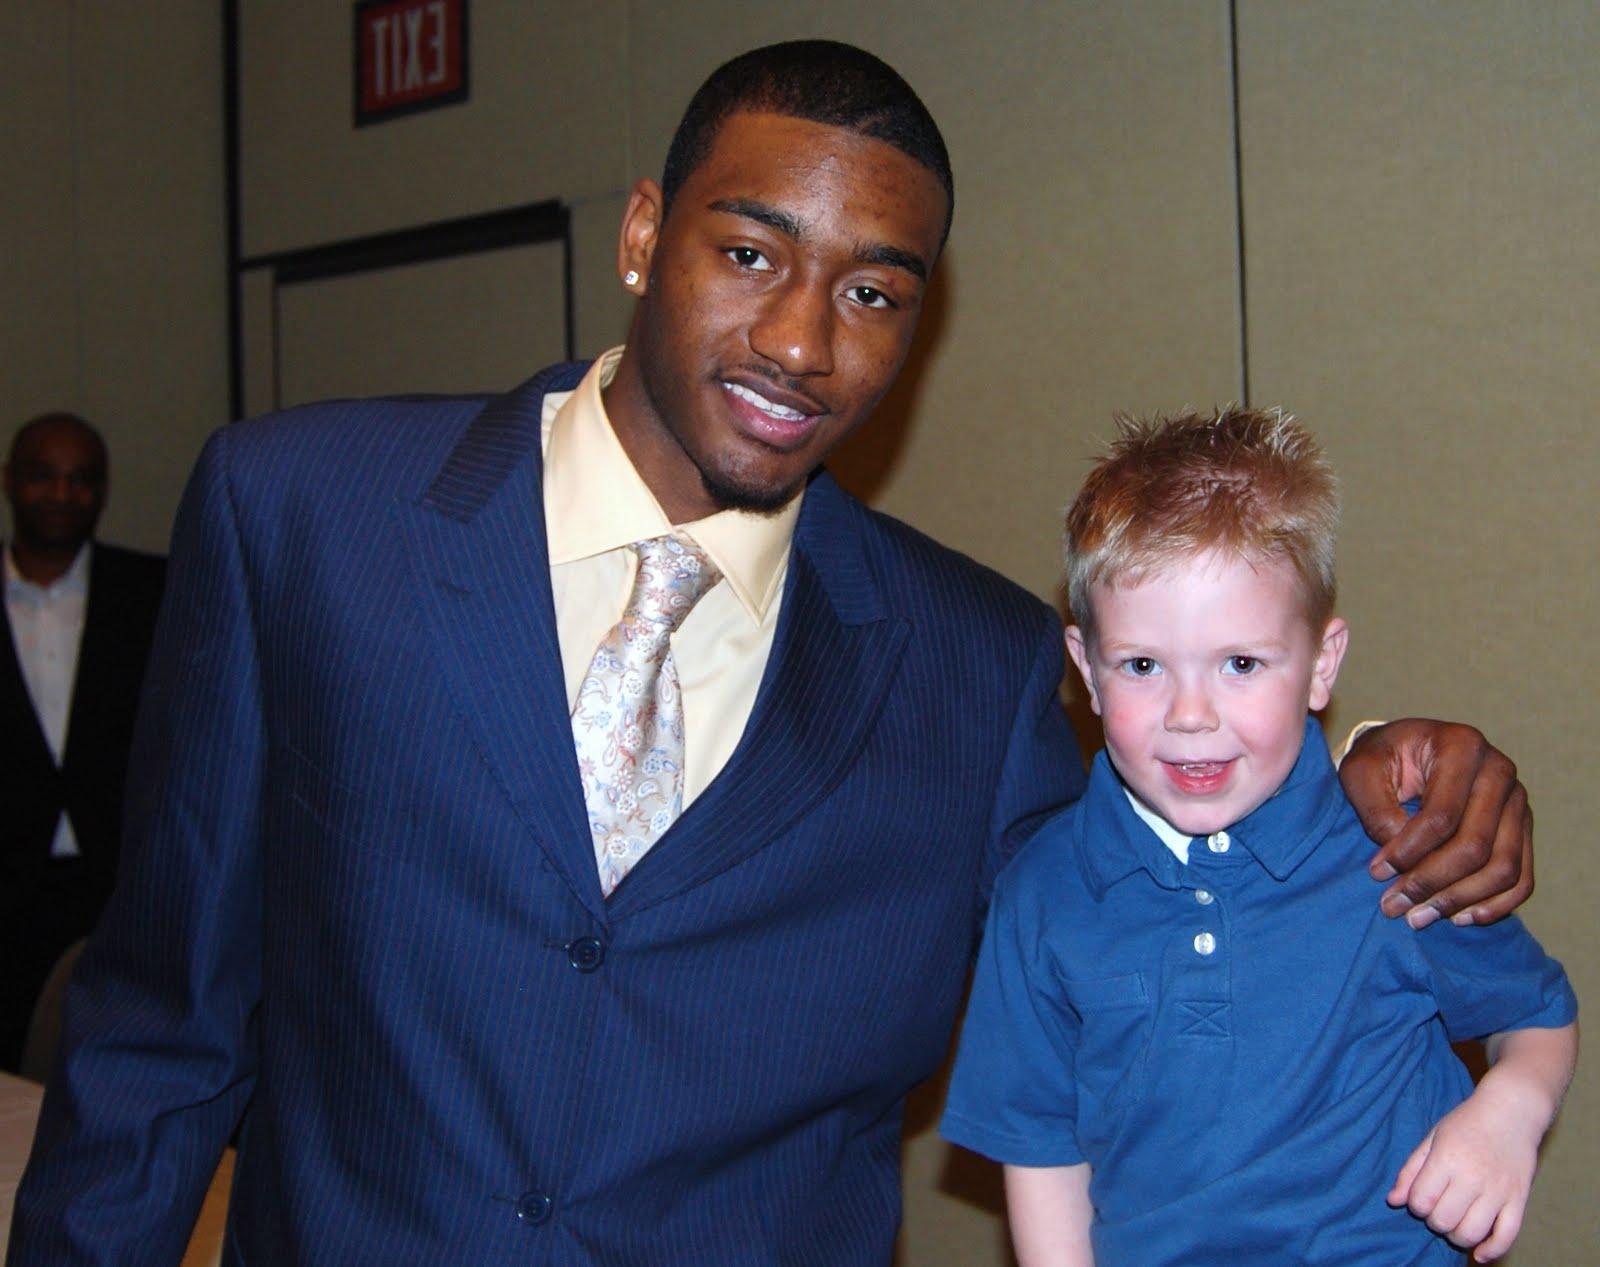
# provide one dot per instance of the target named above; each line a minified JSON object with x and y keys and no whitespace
{"x":1203,"y":674}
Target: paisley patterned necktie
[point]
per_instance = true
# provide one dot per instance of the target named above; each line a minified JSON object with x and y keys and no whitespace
{"x":628,"y":721}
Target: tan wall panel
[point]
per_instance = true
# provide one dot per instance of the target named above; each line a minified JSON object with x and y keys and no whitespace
{"x":542,"y":122}
{"x":601,"y":307}
{"x":258,"y":353}
{"x":381,"y":333}
{"x":152,"y":249}
{"x":38,"y":220}
{"x":113,"y":272}
{"x":1421,"y":238}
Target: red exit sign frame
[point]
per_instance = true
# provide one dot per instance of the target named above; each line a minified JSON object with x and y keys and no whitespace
{"x":410,"y":55}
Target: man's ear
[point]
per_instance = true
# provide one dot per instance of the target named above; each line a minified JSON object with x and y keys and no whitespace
{"x":1330,"y":654}
{"x":1078,"y":649}
{"x":641,"y":229}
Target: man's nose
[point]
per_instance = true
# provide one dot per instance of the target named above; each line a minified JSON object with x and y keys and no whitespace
{"x":795,"y":328}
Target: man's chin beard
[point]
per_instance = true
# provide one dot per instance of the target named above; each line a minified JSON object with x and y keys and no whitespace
{"x":755,"y":501}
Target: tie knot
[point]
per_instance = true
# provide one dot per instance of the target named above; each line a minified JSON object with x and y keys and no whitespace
{"x":673,"y":575}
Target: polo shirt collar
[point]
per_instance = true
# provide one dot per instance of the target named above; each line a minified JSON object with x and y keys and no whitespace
{"x":595,"y":502}
{"x":1280,"y":833}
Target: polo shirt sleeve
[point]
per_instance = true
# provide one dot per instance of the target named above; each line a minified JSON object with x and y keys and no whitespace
{"x":1012,"y":1095}
{"x":1493,"y":978}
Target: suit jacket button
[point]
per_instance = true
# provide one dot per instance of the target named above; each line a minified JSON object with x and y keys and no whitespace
{"x":533,"y":1208}
{"x":586,"y":953}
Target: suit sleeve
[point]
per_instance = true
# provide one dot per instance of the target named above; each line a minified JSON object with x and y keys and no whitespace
{"x":158,"y":1055}
{"x":1043,"y":769}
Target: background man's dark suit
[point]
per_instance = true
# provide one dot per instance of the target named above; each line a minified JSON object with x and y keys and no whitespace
{"x":47,"y":903}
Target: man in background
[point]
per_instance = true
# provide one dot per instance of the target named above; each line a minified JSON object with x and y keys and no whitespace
{"x":79,"y":617}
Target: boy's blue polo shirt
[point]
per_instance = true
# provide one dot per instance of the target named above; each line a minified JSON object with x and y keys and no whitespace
{"x":1244,"y":1048}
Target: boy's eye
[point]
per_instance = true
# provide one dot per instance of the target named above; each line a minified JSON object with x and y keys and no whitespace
{"x":1241,"y":664}
{"x":1140,"y":665}
{"x":870,"y":297}
{"x":749,"y":257}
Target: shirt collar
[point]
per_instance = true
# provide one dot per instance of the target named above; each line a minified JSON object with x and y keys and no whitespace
{"x":595,"y":501}
{"x":1280,"y":833}
{"x":73,"y":582}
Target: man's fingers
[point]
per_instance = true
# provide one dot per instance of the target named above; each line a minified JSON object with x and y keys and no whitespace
{"x":1467,"y":786}
{"x":1374,"y":771}
{"x":1485,"y":867}
{"x":1486,"y":912}
{"x":1467,"y":849}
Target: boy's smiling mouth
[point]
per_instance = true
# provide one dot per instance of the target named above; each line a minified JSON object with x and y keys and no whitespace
{"x":1198,"y":778}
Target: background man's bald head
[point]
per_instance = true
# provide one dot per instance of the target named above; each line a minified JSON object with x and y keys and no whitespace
{"x":57,"y":421}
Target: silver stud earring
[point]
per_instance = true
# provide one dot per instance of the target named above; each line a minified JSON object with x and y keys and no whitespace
{"x":631,"y":277}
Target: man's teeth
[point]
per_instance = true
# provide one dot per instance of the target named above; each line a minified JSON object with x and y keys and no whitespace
{"x":764,"y":405}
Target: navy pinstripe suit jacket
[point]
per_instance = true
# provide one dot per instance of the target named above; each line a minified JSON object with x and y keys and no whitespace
{"x":360,"y":910}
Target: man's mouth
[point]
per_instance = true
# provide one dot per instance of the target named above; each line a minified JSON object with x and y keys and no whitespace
{"x":785,"y":424}
{"x":769,"y":407}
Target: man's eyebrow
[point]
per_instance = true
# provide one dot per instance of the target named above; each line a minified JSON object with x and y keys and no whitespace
{"x":761,"y":213}
{"x":893,"y":257}
{"x":791,"y":227}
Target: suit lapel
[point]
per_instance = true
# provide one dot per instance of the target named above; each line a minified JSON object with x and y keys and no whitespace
{"x":23,"y":733}
{"x":102,"y":654}
{"x":833,"y":661}
{"x":476,"y":540}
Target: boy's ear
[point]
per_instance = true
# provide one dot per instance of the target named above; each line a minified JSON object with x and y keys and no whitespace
{"x":1078,"y":649}
{"x":1335,"y":638}
{"x":641,"y":227}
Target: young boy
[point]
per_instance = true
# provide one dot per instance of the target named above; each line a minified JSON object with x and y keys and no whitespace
{"x":1192,"y":1037}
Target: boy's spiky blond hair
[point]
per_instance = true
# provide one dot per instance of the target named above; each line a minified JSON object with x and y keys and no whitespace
{"x":1253,"y":483}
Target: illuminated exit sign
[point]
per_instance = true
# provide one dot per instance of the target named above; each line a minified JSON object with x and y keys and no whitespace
{"x":410,"y":55}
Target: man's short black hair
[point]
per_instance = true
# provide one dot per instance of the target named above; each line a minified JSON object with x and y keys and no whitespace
{"x":822,"y":81}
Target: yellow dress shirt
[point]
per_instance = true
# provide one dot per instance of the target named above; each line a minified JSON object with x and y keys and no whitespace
{"x":595,"y":507}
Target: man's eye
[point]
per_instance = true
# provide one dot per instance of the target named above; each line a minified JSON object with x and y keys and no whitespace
{"x":1140,"y":665}
{"x":749,"y":257}
{"x":1241,"y":664}
{"x":870,"y":297}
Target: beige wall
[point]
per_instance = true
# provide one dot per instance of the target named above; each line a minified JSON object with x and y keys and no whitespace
{"x":1424,"y":235}
{"x":1420,"y":233}
{"x":113,"y":229}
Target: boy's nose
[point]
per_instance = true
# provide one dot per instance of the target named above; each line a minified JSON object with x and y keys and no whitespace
{"x":1191,"y":711}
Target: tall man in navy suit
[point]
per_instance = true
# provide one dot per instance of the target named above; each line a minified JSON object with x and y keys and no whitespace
{"x":363,"y":913}
{"x":75,"y":631}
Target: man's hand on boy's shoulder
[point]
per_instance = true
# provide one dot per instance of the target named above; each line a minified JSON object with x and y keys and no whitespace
{"x":1467,"y":853}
